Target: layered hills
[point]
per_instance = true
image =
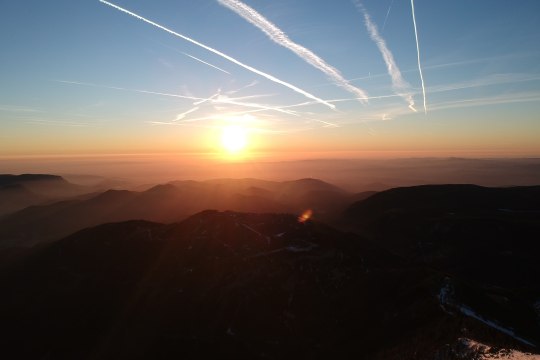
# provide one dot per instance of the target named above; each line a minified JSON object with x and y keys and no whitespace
{"x":20,"y":191}
{"x":423,"y":272}
{"x":173,"y":202}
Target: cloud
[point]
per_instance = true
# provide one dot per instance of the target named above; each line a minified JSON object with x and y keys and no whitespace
{"x":401,"y":87}
{"x":279,"y":37}
{"x":223,"y":55}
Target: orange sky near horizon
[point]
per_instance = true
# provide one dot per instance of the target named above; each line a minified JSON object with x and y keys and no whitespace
{"x":103,"y":82}
{"x":377,"y":139}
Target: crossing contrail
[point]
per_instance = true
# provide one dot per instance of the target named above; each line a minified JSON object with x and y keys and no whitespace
{"x":223,"y":55}
{"x":215,"y":99}
{"x":418,"y":55}
{"x":207,"y":99}
{"x":401,"y":87}
{"x":204,"y":62}
{"x":279,"y":37}
{"x":223,"y":99}
{"x":387,"y":13}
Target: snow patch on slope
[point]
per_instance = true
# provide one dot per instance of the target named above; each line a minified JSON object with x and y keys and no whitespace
{"x":448,"y":303}
{"x":470,"y":349}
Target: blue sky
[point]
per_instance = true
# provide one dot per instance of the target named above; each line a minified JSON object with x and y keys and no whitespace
{"x":82,"y":76}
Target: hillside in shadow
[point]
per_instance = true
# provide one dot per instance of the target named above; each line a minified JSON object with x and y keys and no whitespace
{"x":232,"y":285}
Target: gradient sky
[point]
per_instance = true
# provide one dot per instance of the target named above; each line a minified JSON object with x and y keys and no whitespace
{"x":81,"y":77}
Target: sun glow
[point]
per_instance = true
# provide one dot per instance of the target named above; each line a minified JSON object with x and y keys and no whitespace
{"x":234,"y":138}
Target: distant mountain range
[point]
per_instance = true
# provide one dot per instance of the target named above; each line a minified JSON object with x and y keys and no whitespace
{"x":172,"y":202}
{"x":20,"y":191}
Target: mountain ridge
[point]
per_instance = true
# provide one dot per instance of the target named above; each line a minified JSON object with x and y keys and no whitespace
{"x":171,"y":202}
{"x":223,"y":283}
{"x":20,"y":191}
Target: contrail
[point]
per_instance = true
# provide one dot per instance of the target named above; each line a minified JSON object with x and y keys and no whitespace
{"x":251,"y":84}
{"x":185,"y":113}
{"x":256,"y":96}
{"x":225,"y":56}
{"x":418,"y":54}
{"x":387,"y":13}
{"x":279,"y":37}
{"x":490,"y":80}
{"x":400,"y":86}
{"x":204,"y":62}
{"x":56,"y":123}
{"x":326,"y":123}
{"x":132,"y":90}
{"x":207,"y":99}
{"x":308,"y":103}
{"x":222,"y":99}
{"x":216,"y":98}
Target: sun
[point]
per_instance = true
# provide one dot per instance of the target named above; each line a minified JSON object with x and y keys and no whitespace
{"x":234,"y":138}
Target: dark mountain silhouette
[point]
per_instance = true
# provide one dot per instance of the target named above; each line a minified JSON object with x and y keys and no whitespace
{"x":447,"y":198}
{"x":229,"y":285}
{"x":8,"y":179}
{"x":430,"y":222}
{"x":43,"y":184}
{"x":289,"y":188}
{"x":172,"y":202}
{"x":20,"y":191}
{"x":487,"y":237}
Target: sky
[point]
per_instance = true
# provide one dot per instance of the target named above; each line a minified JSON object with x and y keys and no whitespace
{"x":302,"y":78}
